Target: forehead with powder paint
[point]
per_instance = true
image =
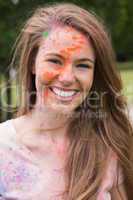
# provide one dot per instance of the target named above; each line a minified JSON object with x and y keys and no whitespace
{"x":66,"y":40}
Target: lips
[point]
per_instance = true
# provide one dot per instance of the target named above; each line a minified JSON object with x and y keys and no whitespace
{"x":64,"y":94}
{"x":64,"y":89}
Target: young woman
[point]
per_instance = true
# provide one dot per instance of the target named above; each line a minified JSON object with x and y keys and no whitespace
{"x":71,"y":138}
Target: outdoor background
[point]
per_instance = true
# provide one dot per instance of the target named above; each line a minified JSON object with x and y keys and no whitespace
{"x":118,"y":17}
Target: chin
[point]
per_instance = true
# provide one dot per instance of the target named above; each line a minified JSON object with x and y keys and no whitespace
{"x":63,"y":109}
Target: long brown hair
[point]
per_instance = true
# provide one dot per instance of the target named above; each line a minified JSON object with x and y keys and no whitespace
{"x":99,"y":124}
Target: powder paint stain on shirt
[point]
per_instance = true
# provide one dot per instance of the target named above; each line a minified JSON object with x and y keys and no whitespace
{"x":22,"y":166}
{"x":2,"y":189}
{"x":14,"y":174}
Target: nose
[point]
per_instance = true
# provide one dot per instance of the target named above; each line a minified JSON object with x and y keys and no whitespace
{"x":67,"y":76}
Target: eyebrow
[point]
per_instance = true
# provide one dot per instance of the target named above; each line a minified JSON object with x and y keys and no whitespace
{"x":81,"y":59}
{"x":86,"y":59}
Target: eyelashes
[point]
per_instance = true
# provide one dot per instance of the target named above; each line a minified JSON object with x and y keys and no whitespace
{"x":58,"y":62}
{"x":83,"y":65}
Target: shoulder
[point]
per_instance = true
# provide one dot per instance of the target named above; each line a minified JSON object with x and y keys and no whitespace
{"x":11,"y":131}
{"x":4,"y":125}
{"x":11,"y":127}
{"x":6,"y":131}
{"x":9,"y":135}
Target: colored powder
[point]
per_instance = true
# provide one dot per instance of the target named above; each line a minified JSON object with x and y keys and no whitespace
{"x":45,"y":34}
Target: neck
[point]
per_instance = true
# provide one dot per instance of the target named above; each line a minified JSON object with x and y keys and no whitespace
{"x":50,"y":122}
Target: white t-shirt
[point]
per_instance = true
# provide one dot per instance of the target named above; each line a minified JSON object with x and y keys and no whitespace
{"x":22,"y":179}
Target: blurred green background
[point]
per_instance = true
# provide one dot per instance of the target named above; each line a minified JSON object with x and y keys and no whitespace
{"x":117,"y":15}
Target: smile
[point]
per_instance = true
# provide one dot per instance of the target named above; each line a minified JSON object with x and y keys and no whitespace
{"x":66,"y":95}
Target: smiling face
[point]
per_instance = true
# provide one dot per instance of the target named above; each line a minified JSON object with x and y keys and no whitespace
{"x":64,"y":69}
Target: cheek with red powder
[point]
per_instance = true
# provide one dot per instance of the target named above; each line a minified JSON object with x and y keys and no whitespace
{"x":45,"y":80}
{"x":48,"y":76}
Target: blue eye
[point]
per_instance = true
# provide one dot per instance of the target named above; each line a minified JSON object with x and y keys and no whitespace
{"x":56,"y":61}
{"x":83,"y":65}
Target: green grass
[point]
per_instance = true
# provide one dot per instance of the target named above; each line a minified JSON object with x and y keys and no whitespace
{"x":127,"y":78}
{"x":126,"y":65}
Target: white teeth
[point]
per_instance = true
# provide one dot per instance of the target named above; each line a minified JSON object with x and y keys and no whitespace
{"x":63,"y":93}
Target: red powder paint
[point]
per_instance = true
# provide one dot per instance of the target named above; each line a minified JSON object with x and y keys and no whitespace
{"x":49,"y":76}
{"x":69,"y":50}
{"x":78,"y":38}
{"x":75,"y":37}
{"x":69,"y":29}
